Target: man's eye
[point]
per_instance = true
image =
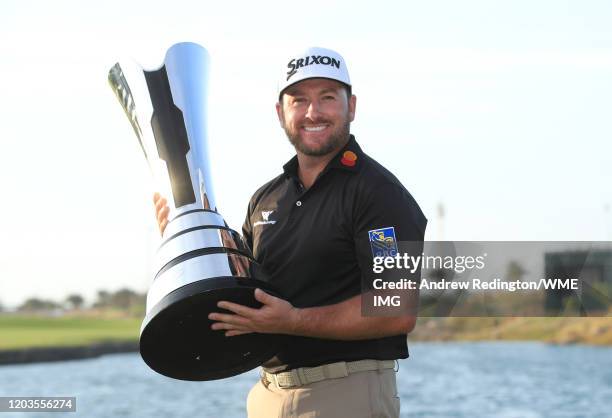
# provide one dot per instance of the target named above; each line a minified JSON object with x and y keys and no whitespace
{"x":329,"y":98}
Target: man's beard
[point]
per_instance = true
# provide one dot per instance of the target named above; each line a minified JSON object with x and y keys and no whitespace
{"x":336,"y":140}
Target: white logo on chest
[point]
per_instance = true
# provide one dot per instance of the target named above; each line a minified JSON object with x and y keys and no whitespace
{"x":265,"y":215}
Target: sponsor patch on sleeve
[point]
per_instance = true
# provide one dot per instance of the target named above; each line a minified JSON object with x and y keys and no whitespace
{"x":383,"y":242}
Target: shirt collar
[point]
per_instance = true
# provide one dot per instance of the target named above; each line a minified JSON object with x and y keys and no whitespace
{"x":348,"y":158}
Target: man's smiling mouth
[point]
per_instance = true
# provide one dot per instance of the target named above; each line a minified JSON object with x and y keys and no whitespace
{"x":317,"y":128}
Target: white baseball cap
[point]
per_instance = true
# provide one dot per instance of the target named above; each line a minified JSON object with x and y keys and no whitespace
{"x":314,"y":62}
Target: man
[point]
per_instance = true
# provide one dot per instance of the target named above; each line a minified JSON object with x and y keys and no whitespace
{"x":314,"y":230}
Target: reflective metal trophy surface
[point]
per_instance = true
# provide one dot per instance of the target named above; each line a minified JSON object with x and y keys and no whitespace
{"x":200,"y":260}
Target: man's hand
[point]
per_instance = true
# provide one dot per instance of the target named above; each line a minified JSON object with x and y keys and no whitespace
{"x":276,"y":316}
{"x":339,"y":321}
{"x":161,"y":211}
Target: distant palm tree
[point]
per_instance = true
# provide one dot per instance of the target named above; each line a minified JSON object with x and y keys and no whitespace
{"x":122,"y":299}
{"x":515,"y":271}
{"x":103,"y":299}
{"x":35,"y":304}
{"x":75,"y":301}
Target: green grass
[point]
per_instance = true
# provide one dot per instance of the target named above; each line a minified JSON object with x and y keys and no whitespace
{"x":561,"y":330}
{"x":26,"y":331}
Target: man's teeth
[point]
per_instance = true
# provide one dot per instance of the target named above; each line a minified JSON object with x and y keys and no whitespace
{"x":314,"y":128}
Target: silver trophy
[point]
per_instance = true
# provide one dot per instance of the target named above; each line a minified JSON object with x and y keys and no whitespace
{"x":200,"y":260}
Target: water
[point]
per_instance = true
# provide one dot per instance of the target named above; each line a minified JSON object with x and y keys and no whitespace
{"x":492,"y":379}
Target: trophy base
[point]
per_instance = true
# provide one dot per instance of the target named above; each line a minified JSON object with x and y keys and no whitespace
{"x":176,"y":339}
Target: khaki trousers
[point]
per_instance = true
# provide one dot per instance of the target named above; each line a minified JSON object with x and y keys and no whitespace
{"x":371,"y":394}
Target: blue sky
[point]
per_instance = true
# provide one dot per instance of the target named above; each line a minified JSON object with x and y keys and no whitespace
{"x":498,"y":110}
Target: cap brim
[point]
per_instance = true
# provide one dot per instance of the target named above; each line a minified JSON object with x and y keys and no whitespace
{"x":280,"y":94}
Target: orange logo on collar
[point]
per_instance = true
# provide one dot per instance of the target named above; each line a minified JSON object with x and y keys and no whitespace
{"x":349,"y":158}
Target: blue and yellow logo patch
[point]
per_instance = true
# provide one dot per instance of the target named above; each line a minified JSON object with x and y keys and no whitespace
{"x":383,"y":242}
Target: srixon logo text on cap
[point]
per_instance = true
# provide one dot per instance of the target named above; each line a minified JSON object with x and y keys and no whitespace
{"x":313,"y":59}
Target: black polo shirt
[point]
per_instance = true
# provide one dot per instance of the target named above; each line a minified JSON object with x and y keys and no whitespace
{"x":314,"y":245}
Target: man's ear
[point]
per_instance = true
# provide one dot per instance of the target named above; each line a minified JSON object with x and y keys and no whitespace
{"x":279,"y":112}
{"x":352,"y":105}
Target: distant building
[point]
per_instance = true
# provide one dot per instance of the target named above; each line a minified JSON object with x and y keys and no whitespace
{"x":593,"y":268}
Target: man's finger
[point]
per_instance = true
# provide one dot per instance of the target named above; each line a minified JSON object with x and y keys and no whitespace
{"x":161,"y":209}
{"x":228,"y":326}
{"x":229,"y":319}
{"x":160,"y":204}
{"x":163,"y":214}
{"x":162,"y":225}
{"x":264,"y":297}
{"x":241,"y":310}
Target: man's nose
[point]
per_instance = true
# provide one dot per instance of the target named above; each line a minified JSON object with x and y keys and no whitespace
{"x":313,"y":111}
